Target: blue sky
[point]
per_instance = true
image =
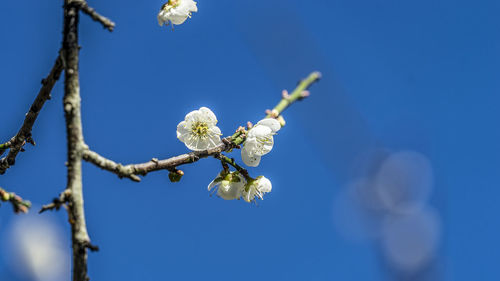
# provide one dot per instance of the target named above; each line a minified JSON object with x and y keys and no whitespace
{"x":398,"y":77}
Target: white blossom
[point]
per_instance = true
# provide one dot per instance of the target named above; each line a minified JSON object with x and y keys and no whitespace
{"x":176,"y":11}
{"x":229,"y":186}
{"x":257,"y":188}
{"x":259,"y":141}
{"x":198,"y":131}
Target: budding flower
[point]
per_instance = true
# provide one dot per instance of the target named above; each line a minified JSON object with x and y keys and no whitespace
{"x":257,"y":188}
{"x":229,"y":185}
{"x":259,"y":141}
{"x":5,"y":196}
{"x":176,"y":11}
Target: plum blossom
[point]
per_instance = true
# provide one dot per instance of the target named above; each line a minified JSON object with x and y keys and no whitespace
{"x":176,"y":11}
{"x":259,"y":141}
{"x":229,"y":185}
{"x":198,"y":131}
{"x":257,"y":188}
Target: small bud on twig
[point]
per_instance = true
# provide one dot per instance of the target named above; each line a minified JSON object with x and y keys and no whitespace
{"x":175,"y":175}
{"x":285,"y":95}
{"x":5,"y":196}
{"x":281,"y":120}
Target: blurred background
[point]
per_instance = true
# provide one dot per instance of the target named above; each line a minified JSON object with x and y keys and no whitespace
{"x":389,"y":171}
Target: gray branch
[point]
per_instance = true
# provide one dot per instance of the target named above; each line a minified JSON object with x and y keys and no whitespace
{"x":72,"y":114}
{"x":132,"y":171}
{"x":16,"y":143}
{"x":84,"y":7}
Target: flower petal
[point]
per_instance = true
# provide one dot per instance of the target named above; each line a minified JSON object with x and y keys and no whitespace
{"x":182,"y":130}
{"x":215,"y":131}
{"x":249,"y":158}
{"x":191,"y":143}
{"x":177,"y":19}
{"x":208,"y":116}
{"x":214,"y":141}
{"x":264,"y":184}
{"x":214,"y":183}
{"x":267,"y":146}
{"x":201,"y":144}
{"x":259,"y":131}
{"x":193,"y":116}
{"x":230,"y":194}
{"x":271,"y":123}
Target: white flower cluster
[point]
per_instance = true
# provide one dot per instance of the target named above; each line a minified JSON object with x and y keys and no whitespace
{"x":233,"y":185}
{"x":199,"y":132}
{"x":176,"y":12}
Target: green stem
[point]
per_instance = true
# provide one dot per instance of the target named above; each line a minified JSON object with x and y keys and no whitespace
{"x":297,"y":94}
{"x":233,"y":163}
{"x":238,"y":138}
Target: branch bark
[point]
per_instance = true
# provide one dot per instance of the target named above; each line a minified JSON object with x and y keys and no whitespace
{"x":16,"y":143}
{"x":84,"y":7}
{"x":132,"y":171}
{"x":72,"y":113}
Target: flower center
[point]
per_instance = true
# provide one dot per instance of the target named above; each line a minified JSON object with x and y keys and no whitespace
{"x":174,"y":3}
{"x":200,"y":129}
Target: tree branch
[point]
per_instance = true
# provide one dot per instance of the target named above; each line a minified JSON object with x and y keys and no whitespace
{"x":84,"y":7}
{"x":72,"y":114}
{"x":19,"y":205}
{"x":132,"y":171}
{"x":110,"y":165}
{"x":56,"y":202}
{"x":16,"y":143}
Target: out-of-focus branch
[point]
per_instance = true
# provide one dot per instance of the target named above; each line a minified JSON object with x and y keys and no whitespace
{"x":19,"y":205}
{"x":84,"y":7}
{"x":132,"y":171}
{"x":16,"y":143}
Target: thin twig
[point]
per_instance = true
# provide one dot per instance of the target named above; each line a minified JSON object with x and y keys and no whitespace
{"x":109,"y":165}
{"x":226,"y":160}
{"x":16,"y":143}
{"x":19,"y":204}
{"x":56,"y":202}
{"x":299,"y":93}
{"x":84,"y":7}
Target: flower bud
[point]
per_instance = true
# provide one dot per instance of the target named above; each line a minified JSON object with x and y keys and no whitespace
{"x":5,"y":196}
{"x":175,"y":176}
